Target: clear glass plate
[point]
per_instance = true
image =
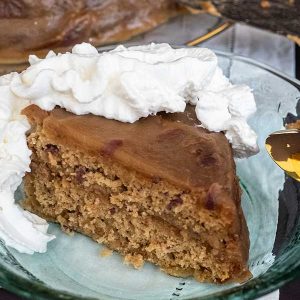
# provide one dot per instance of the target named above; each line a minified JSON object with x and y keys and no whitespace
{"x":73,"y":269}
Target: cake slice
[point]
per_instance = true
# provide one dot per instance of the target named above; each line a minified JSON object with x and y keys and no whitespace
{"x":160,"y":190}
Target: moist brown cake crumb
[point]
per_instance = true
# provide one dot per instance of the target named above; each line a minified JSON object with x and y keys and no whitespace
{"x":136,"y":260}
{"x":105,"y":252}
{"x":147,"y":197}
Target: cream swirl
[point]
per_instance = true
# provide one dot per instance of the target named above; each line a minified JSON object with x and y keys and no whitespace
{"x":19,"y":229}
{"x":127,"y":84}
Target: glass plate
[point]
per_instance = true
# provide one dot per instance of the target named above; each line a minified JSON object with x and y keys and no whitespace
{"x":73,"y":269}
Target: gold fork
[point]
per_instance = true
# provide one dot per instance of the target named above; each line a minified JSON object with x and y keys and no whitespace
{"x":215,"y":31}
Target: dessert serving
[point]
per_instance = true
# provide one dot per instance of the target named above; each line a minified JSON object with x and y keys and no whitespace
{"x":134,"y":148}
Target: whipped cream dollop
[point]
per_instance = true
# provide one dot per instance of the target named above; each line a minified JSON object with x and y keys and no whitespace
{"x":20,"y":229}
{"x":124,"y":84}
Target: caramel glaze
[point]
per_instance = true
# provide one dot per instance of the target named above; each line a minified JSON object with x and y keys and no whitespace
{"x":166,"y":146}
{"x":170,"y":147}
{"x":57,"y":24}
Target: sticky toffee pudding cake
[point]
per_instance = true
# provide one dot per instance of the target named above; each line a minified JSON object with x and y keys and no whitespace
{"x":160,"y":189}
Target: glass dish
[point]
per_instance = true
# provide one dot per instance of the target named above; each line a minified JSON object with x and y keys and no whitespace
{"x":73,"y":269}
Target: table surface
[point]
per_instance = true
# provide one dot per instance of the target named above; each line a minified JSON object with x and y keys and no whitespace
{"x":289,"y":291}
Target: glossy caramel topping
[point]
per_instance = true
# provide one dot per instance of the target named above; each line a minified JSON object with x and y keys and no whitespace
{"x":167,"y":146}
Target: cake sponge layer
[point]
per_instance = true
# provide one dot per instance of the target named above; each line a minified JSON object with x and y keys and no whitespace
{"x":184,"y":229}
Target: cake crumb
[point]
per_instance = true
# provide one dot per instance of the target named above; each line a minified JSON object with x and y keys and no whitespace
{"x":67,"y":231}
{"x":105,"y":252}
{"x":137,"y":261}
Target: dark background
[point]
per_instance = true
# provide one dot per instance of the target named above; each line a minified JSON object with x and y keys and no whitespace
{"x":291,"y":291}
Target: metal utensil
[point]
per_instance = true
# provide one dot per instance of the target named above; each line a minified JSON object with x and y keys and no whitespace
{"x":284,"y":148}
{"x":213,"y":32}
